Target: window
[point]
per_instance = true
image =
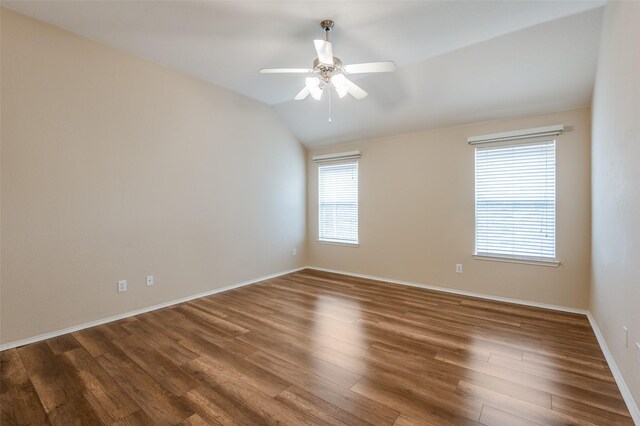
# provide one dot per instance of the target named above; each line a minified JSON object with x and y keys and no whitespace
{"x":338,"y":202}
{"x":516,"y":201}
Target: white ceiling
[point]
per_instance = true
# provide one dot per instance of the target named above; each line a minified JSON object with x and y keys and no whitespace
{"x":459,"y":61}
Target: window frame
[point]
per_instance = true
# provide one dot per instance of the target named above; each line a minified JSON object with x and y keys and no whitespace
{"x":529,"y":260}
{"x":332,"y":241}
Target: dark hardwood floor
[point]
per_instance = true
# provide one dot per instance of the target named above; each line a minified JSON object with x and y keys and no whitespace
{"x":319,"y":348}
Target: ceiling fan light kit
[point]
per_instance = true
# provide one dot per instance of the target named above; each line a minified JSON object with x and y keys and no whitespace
{"x":312,"y":85}
{"x":329,"y":71}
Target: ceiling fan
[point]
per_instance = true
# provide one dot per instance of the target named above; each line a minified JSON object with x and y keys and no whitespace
{"x":329,"y":71}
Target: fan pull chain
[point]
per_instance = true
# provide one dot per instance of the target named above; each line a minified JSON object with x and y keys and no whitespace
{"x":330,"y":98}
{"x":326,"y":38}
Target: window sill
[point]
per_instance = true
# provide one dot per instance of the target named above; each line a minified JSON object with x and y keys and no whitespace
{"x":537,"y":262}
{"x":338,"y":243}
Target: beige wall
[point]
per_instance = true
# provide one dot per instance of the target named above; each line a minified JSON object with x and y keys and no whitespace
{"x":417,"y":214}
{"x":615,"y":285}
{"x":114,"y":167}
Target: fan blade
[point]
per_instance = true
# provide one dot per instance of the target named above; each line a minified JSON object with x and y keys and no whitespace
{"x":370,"y":67}
{"x":325,"y":51}
{"x":285,"y":70}
{"x":302,"y":94}
{"x":355,"y":90}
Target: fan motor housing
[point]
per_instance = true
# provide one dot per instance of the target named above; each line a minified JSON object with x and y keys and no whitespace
{"x":325,"y":70}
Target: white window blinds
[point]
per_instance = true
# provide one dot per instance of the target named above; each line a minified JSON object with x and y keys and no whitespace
{"x":338,"y":202}
{"x":516,"y":201}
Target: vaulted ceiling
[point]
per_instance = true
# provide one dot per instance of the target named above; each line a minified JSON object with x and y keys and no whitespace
{"x":458,"y":61}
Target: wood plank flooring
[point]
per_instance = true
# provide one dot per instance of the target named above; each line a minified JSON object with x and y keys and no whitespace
{"x":319,"y":348}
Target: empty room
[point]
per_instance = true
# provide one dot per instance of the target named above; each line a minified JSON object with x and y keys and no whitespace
{"x":320,"y":212}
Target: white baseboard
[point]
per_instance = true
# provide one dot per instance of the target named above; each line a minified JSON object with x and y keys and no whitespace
{"x":624,"y":390}
{"x":79,"y":327}
{"x":460,"y":292}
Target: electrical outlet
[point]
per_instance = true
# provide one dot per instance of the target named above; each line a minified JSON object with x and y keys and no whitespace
{"x":294,"y":252}
{"x":149,"y":280}
{"x":122,"y":286}
{"x":638,"y":353}
{"x":626,"y":336}
{"x":459,"y":268}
